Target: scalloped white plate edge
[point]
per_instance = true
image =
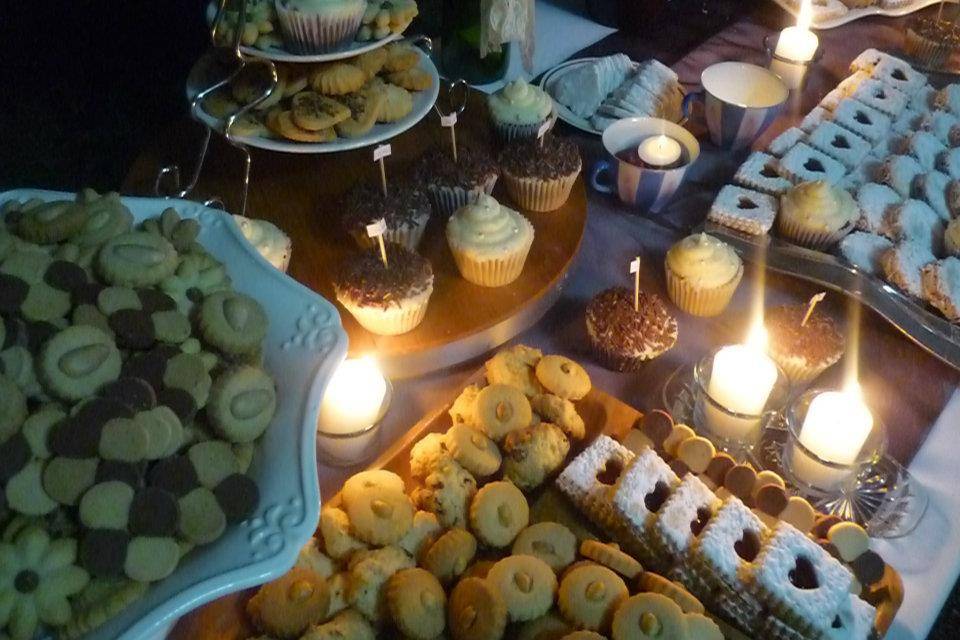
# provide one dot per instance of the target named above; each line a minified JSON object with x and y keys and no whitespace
{"x":149,"y":618}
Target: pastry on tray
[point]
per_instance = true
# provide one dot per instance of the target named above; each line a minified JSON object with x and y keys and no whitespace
{"x":131,"y":399}
{"x":702,"y":274}
{"x":624,"y":337}
{"x":539,"y":175}
{"x":804,"y":350}
{"x":489,"y":242}
{"x":518,"y":110}
{"x":817,"y":214}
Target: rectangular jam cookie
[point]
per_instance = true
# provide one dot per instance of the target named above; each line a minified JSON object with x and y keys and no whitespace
{"x":803,"y":163}
{"x":903,"y":265}
{"x":915,"y":222}
{"x":815,"y":117}
{"x":881,"y":97}
{"x":844,"y":89}
{"x":590,"y":478}
{"x":761,"y":171}
{"x":744,"y":210}
{"x":899,"y":173}
{"x":863,"y":250}
{"x":785,"y":141}
{"x":799,"y":581}
{"x":941,"y":287}
{"x":925,"y":147}
{"x":899,"y":75}
{"x":641,"y":492}
{"x":857,"y":620}
{"x":863,"y":120}
{"x":941,"y":124}
{"x":875,"y":200}
{"x":840,"y":144}
{"x":683,"y":516}
{"x":868,"y":59}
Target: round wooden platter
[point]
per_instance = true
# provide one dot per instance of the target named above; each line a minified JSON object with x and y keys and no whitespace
{"x":301,"y":194}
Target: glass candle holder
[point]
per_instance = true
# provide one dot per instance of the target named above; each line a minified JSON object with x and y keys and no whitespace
{"x":733,"y":431}
{"x":805,"y":462}
{"x":348,"y":448}
{"x":794,"y":73}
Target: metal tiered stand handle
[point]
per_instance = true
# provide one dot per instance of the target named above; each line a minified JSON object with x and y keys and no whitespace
{"x":172,"y":172}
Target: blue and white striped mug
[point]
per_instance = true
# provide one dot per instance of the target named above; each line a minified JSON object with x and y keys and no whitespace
{"x":645,"y":188}
{"x":740,"y":101}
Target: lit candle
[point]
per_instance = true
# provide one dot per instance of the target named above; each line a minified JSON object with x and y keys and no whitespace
{"x":659,"y":151}
{"x":741,"y":380}
{"x":835,"y":429}
{"x":797,"y":44}
{"x":352,"y":403}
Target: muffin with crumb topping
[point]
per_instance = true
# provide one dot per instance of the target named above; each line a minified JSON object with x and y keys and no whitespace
{"x":804,"y":350}
{"x":624,"y":337}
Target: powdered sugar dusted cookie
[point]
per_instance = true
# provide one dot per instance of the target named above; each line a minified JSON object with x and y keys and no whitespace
{"x":828,"y":9}
{"x":949,"y":162}
{"x":914,"y":221}
{"x":881,"y":97}
{"x":865,"y":172}
{"x":590,"y":478}
{"x":839,"y":143}
{"x":899,"y":75}
{"x":948,"y":99}
{"x":875,"y":200}
{"x":761,"y":171}
{"x":682,"y":516}
{"x":744,"y":209}
{"x":941,"y":286}
{"x":932,"y":188}
{"x":907,"y":121}
{"x":899,"y":173}
{"x":902,"y":266}
{"x":815,"y":117}
{"x":863,"y":120}
{"x":923,"y":99}
{"x":939,"y":123}
{"x":785,"y":141}
{"x":845,"y":89}
{"x":926,"y":148}
{"x":869,"y":59}
{"x":803,"y":163}
{"x":864,"y":250}
{"x":647,"y":475}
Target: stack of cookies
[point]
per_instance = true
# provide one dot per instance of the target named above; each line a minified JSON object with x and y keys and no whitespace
{"x":891,"y":140}
{"x":131,"y":397}
{"x":730,"y":535}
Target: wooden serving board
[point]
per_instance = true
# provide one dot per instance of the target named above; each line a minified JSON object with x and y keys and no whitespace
{"x":224,"y":619}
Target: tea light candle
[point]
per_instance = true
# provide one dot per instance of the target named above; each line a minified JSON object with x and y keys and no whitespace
{"x":741,"y":381}
{"x":352,"y":403}
{"x":835,"y":429}
{"x":659,"y":151}
{"x":797,"y":44}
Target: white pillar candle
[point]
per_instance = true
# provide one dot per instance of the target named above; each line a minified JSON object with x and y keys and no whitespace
{"x":797,"y":44}
{"x":741,"y":380}
{"x":659,"y":151}
{"x":351,"y":403}
{"x":835,"y":429}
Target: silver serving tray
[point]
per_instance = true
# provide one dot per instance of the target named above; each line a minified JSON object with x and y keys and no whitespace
{"x":927,"y":328}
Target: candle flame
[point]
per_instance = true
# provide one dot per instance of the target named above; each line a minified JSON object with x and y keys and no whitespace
{"x":851,"y":363}
{"x":805,"y":14}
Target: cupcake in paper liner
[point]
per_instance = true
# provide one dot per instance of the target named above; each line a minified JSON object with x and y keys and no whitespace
{"x":625,"y":338}
{"x":539,"y":176}
{"x":319,"y":26}
{"x":452,"y":184}
{"x":816,"y":215}
{"x":702,"y":274}
{"x":519,"y":109}
{"x":386,"y":299}
{"x":405,"y":209}
{"x":489,"y":242}
{"x":930,"y":42}
{"x":803,"y":350}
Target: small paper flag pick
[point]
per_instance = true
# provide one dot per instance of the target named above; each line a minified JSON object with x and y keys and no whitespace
{"x":542,"y":131}
{"x":635,"y":270}
{"x":450,"y":121}
{"x":817,"y":298}
{"x":379,"y":153}
{"x":376,"y":230}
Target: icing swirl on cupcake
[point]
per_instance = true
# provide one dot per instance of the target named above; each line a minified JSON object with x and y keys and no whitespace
{"x":520,"y":103}
{"x":485,"y":227}
{"x":703,"y":260}
{"x":819,"y":206}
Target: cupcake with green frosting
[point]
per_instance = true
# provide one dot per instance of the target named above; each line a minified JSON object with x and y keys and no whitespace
{"x":319,"y":26}
{"x":519,"y":109}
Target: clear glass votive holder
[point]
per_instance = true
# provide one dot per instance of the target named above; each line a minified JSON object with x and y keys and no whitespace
{"x":814,"y":476}
{"x":733,"y":432}
{"x":347,"y":449}
{"x":794,"y":73}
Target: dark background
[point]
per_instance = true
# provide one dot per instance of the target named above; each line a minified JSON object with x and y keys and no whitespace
{"x":86,"y":84}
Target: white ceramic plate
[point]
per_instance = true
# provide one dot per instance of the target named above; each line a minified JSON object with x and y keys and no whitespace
{"x":304,"y":343}
{"x":856,"y":14}
{"x":549,"y":80}
{"x":423,"y":102}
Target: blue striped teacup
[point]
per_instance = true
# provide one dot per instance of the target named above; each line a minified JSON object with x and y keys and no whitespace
{"x":740,"y":101}
{"x":645,"y":188}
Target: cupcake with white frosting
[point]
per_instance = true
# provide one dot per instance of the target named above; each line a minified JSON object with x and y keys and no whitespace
{"x":489,"y":242}
{"x":319,"y":26}
{"x":817,"y":215}
{"x":519,"y":109}
{"x":702,"y":274}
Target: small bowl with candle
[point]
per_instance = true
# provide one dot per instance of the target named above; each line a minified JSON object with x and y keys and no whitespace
{"x":355,"y":401}
{"x":794,"y":50}
{"x":737,"y":387}
{"x":648,"y":158}
{"x":831,"y":435}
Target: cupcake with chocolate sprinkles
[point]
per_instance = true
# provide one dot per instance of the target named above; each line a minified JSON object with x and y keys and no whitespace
{"x":540,"y":177}
{"x":405,"y":208}
{"x":386,"y":300}
{"x":803,"y":350}
{"x":625,"y":337}
{"x":452,"y":184}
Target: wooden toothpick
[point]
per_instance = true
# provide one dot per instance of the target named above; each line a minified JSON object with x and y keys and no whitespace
{"x":816,"y":299}
{"x":379,"y":153}
{"x":376,"y":230}
{"x":450,"y":121}
{"x":635,"y":270}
